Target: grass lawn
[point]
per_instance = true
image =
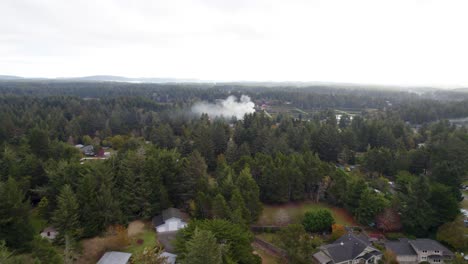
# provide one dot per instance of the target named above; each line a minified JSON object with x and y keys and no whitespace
{"x":293,"y":212}
{"x":145,"y":239}
{"x":271,"y":238}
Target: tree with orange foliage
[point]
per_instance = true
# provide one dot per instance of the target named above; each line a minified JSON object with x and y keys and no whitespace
{"x":337,"y":231}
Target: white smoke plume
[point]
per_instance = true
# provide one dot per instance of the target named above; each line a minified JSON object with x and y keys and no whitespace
{"x":226,"y":108}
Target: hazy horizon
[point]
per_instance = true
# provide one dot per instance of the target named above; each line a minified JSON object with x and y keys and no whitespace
{"x":390,"y":43}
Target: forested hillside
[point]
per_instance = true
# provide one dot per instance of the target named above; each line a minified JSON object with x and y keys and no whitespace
{"x":162,"y":155}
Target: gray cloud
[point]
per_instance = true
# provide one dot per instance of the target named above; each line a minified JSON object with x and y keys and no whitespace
{"x":298,"y":40}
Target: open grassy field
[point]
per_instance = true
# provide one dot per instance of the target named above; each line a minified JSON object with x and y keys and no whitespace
{"x":138,"y":242}
{"x":271,"y":238}
{"x":289,"y":213}
{"x":139,"y":235}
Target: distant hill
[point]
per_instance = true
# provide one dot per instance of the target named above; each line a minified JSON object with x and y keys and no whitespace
{"x":464,"y":90}
{"x":101,"y":78}
{"x":112,"y":78}
{"x":10,"y":77}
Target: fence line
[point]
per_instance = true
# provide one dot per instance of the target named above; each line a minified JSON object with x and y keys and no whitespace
{"x":271,"y":247}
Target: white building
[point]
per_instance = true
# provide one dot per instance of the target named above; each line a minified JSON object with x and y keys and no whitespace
{"x":169,"y":221}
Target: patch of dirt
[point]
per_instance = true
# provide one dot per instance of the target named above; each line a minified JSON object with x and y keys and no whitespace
{"x":345,"y":215}
{"x":282,"y":217}
{"x":93,"y":249}
{"x":135,"y":228}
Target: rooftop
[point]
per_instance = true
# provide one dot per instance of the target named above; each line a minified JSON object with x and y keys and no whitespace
{"x":114,"y":257}
{"x":400,"y":247}
{"x":429,"y":244}
{"x":347,"y":247}
{"x":409,"y":247}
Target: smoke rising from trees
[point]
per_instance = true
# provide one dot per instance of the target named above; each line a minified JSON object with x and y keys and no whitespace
{"x":227,"y":108}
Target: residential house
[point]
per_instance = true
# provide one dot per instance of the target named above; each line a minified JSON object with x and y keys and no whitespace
{"x":348,"y":249}
{"x":114,"y":257}
{"x":49,"y":233}
{"x":170,"y":220}
{"x":419,"y":250}
{"x":88,"y":150}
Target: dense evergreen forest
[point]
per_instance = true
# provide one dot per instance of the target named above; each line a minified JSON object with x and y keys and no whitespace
{"x":163,"y":155}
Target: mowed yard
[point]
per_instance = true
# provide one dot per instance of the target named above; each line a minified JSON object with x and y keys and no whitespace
{"x":139,"y":235}
{"x":290,"y":213}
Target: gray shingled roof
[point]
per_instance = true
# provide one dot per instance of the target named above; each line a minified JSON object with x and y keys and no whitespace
{"x":321,"y":257}
{"x":429,"y":244}
{"x":401,"y":247}
{"x":408,"y":247}
{"x":114,"y":257}
{"x":166,"y":214}
{"x":347,"y":247}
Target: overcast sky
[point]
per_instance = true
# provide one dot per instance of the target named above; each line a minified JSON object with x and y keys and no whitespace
{"x":408,"y":42}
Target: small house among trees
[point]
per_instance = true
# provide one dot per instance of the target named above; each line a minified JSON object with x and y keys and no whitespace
{"x":169,"y":220}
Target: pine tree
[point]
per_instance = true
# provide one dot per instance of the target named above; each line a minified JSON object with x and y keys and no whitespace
{"x":328,"y":144}
{"x":231,"y":152}
{"x":192,"y":179}
{"x":203,"y":249}
{"x":107,"y":207}
{"x":250,"y":193}
{"x":416,"y":212}
{"x":87,"y":195}
{"x":220,"y":208}
{"x":66,"y":217}
{"x":227,"y":185}
{"x":237,"y":205}
{"x":15,"y":226}
{"x":39,"y":142}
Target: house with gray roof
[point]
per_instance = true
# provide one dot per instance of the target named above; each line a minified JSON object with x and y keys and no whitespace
{"x":419,"y":250}
{"x":348,"y":249}
{"x":115,"y":257}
